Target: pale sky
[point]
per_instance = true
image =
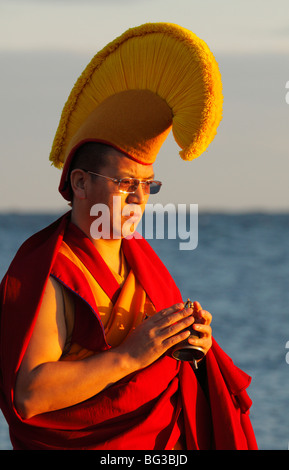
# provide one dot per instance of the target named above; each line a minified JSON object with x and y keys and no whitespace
{"x":45,"y":45}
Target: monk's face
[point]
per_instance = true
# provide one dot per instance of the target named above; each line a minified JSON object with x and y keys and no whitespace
{"x":124,"y":210}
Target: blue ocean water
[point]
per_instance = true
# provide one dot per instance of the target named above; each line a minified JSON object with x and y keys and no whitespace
{"x":239,"y":272}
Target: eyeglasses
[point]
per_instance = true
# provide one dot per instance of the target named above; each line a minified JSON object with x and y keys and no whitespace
{"x":130,"y":185}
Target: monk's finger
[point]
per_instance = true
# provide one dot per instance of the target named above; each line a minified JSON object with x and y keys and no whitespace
{"x":204,"y":317}
{"x":172,"y":314}
{"x":197,"y":306}
{"x":204,"y":330}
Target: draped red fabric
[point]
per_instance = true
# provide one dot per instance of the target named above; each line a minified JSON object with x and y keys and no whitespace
{"x":141,"y":411}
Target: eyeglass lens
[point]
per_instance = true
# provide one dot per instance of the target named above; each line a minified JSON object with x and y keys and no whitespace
{"x":131,"y":185}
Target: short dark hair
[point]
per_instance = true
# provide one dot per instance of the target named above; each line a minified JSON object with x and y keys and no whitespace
{"x":89,"y":156}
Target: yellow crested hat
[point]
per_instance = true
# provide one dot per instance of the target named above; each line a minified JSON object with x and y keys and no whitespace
{"x":153,"y":78}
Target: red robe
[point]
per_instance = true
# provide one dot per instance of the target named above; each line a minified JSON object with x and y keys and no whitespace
{"x":141,"y":411}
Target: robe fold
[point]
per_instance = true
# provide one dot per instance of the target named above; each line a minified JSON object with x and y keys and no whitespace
{"x":145,"y":410}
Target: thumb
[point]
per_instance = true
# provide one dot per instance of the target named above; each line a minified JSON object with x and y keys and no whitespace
{"x":197,"y":307}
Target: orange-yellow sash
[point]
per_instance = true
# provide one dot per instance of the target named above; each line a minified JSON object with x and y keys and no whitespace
{"x":130,"y":309}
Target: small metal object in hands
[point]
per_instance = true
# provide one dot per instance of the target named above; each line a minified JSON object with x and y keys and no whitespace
{"x":184,"y":351}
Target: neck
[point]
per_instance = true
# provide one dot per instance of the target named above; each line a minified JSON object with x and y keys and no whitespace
{"x":109,"y":249}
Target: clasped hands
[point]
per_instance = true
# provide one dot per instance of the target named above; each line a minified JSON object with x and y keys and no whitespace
{"x":157,"y":334}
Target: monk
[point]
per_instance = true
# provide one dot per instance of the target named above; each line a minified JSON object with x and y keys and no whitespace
{"x":90,"y":316}
{"x":45,"y":382}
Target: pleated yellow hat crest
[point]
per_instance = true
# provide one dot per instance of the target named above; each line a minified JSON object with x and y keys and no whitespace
{"x":153,"y":78}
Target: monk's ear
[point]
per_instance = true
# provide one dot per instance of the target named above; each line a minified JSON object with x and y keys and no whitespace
{"x":78,"y":180}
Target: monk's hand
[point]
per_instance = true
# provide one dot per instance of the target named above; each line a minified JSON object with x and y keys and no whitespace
{"x":157,"y":334}
{"x":202,"y":324}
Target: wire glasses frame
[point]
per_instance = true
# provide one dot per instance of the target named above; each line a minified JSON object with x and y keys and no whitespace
{"x":130,"y":185}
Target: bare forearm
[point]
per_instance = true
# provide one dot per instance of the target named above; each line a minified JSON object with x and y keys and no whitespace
{"x":55,"y":385}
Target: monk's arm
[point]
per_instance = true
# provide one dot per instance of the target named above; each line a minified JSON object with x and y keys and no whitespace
{"x":44,"y":383}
